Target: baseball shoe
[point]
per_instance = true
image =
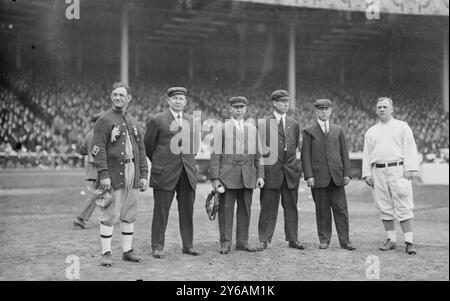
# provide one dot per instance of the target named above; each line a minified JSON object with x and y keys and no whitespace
{"x":410,"y":248}
{"x":79,"y":222}
{"x":130,"y":256}
{"x":225,"y":250}
{"x":388,"y":245}
{"x":262,"y":246}
{"x":106,"y":259}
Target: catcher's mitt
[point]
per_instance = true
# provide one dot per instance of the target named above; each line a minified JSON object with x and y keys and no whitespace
{"x":212,"y":205}
{"x":102,"y":198}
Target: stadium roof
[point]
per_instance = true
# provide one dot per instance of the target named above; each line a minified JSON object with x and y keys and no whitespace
{"x":215,"y":23}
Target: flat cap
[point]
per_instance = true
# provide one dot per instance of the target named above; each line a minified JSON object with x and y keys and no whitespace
{"x":323,"y":103}
{"x":237,"y":99}
{"x":96,"y":116}
{"x":279,"y":95}
{"x":176,"y":90}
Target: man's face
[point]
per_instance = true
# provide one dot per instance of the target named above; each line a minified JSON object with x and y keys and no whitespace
{"x":238,"y":110}
{"x":177,"y":102}
{"x":281,"y":106}
{"x":120,"y":98}
{"x":384,"y":110}
{"x":323,"y":113}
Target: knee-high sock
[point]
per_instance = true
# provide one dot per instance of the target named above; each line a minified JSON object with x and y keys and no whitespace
{"x":127,"y":235}
{"x":105,"y":237}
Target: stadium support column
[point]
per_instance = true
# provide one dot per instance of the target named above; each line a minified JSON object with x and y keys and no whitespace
{"x":291,"y":62}
{"x":191,"y":63}
{"x":124,"y":46}
{"x":137,"y":62}
{"x":18,"y":53}
{"x":242,"y":30}
{"x":342,"y":69}
{"x":80,"y":56}
{"x":445,"y":74}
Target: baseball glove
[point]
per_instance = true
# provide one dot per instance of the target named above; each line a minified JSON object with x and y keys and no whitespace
{"x":212,"y":205}
{"x":102,"y":198}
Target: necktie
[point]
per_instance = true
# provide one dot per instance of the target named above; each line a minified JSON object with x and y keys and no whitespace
{"x":325,"y":130}
{"x":180,"y":143}
{"x":281,"y":125}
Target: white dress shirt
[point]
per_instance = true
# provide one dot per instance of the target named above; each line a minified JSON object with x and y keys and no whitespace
{"x":175,"y":115}
{"x":324,"y":125}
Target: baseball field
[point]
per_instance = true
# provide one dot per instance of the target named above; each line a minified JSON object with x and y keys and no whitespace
{"x":39,"y":242}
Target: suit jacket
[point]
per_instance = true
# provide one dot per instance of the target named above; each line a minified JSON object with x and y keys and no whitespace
{"x":238,"y":165}
{"x":167,"y":165}
{"x":286,"y":164}
{"x":325,"y":157}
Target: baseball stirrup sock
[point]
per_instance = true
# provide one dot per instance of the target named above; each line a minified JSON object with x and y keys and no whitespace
{"x":392,"y":236}
{"x":105,"y":237}
{"x":408,"y":237}
{"x":127,"y":235}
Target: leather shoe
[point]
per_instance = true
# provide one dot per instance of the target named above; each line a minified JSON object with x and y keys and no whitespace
{"x":224,"y":250}
{"x":296,"y":245}
{"x":262,"y":246}
{"x":106,"y":259}
{"x":158,"y":254}
{"x":130,"y":256}
{"x":410,"y":248}
{"x":190,"y":251}
{"x":323,"y":245}
{"x":246,"y":248}
{"x":348,"y":246}
{"x":388,"y":245}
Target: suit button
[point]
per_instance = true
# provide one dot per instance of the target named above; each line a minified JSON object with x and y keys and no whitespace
{"x":121,"y":153}
{"x":123,"y":134}
{"x":121,"y":173}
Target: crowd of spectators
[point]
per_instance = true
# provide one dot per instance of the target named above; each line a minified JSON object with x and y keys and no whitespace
{"x":51,"y":116}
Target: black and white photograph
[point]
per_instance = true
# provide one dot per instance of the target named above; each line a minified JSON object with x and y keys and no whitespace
{"x":236,"y":142}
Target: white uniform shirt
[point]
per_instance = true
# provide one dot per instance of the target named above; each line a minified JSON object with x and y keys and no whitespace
{"x":389,"y":142}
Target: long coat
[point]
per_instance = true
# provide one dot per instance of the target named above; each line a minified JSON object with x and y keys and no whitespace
{"x":167,"y":165}
{"x":286,"y":163}
{"x":325,"y":157}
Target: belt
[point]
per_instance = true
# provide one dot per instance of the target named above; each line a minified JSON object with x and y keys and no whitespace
{"x":379,"y":165}
{"x":126,"y":161}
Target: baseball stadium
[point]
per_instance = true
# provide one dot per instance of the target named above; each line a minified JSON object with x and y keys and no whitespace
{"x":59,"y":59}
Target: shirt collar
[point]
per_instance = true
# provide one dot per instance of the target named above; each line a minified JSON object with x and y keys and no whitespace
{"x":237,"y":122}
{"x":175,"y":114}
{"x":278,"y":116}
{"x":322,"y":123}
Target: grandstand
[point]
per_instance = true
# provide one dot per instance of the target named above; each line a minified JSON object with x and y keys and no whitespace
{"x":56,"y":69}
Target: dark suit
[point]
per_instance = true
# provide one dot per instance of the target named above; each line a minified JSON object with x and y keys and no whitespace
{"x":238,"y":172}
{"x":171,"y":173}
{"x":281,"y":179}
{"x":325,"y":157}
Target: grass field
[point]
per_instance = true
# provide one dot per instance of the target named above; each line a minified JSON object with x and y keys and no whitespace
{"x":37,"y":236}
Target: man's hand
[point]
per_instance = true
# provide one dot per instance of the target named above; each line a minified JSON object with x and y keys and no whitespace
{"x":105,"y":184}
{"x":216,"y":184}
{"x":143,"y":185}
{"x":346,"y":180}
{"x":310,"y":182}
{"x":369,"y":181}
{"x":260,"y":183}
{"x":408,"y":174}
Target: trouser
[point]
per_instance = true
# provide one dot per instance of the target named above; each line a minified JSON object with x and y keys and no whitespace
{"x":89,"y":206}
{"x":163,"y":201}
{"x":326,"y":199}
{"x":226,"y":213}
{"x":270,"y":201}
{"x":124,"y":204}
{"x":389,"y":196}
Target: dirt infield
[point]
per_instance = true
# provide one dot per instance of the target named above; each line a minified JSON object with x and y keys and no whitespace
{"x":37,"y":236}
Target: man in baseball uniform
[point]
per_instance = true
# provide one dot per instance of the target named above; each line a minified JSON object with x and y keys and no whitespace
{"x":119,"y":157}
{"x":389,"y":160}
